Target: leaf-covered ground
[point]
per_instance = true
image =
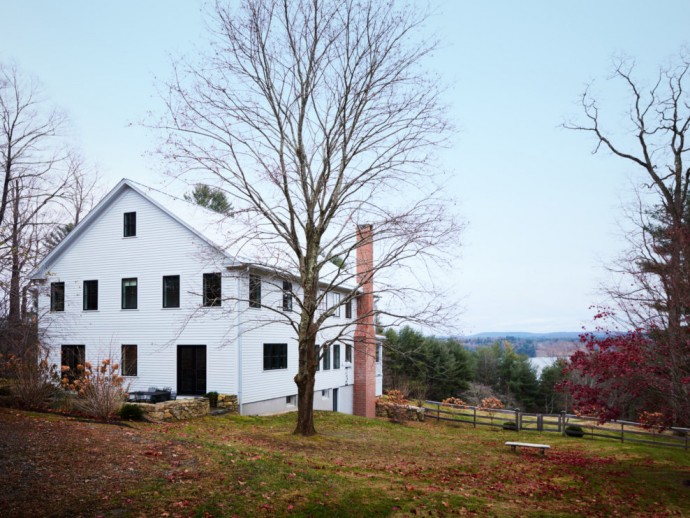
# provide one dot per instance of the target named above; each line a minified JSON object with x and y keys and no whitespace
{"x":248,"y":466}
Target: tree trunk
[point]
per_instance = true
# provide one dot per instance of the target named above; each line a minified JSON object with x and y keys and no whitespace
{"x":305,"y":406}
{"x":14,"y":315}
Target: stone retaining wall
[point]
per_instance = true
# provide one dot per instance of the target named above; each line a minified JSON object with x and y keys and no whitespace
{"x":182,"y":409}
{"x":412,"y":413}
{"x":228,"y":402}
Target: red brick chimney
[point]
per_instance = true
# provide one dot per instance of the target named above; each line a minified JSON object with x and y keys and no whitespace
{"x":365,"y":332}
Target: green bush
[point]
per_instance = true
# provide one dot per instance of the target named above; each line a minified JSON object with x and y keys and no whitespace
{"x":510,"y":425}
{"x":574,"y":430}
{"x":212,"y":398}
{"x":131,"y":412}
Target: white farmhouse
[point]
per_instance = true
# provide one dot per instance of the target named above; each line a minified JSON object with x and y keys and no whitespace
{"x":146,"y":279}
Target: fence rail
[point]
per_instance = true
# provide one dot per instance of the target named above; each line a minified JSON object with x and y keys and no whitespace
{"x":589,"y":427}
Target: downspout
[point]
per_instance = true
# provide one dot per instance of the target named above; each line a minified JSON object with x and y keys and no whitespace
{"x":239,"y":341}
{"x":239,"y":345}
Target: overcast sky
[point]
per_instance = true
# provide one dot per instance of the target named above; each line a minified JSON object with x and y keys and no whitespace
{"x":543,"y":211}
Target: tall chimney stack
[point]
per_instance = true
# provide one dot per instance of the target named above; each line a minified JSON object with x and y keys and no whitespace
{"x":365,"y":332}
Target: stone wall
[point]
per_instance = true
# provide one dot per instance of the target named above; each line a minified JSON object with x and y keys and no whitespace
{"x":177,"y":410}
{"x":228,"y":402}
{"x":412,"y":413}
{"x":182,"y":409}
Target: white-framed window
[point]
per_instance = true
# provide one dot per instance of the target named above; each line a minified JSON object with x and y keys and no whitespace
{"x":130,"y":224}
{"x":129,"y":360}
{"x":287,"y":296}
{"x":336,"y":356}
{"x":326,"y":359}
{"x":336,"y":304}
{"x":291,"y":400}
{"x":326,"y":394}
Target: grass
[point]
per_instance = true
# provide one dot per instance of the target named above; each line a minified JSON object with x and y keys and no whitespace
{"x":248,"y":466}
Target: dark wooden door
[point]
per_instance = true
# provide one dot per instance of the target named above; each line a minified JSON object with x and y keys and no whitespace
{"x":335,"y":400}
{"x":191,"y":370}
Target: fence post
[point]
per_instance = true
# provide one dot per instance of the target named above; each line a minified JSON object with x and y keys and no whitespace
{"x":622,"y":433}
{"x":540,"y":423}
{"x":562,"y":422}
{"x":474,"y":421}
{"x":438,"y":412}
{"x":518,"y":421}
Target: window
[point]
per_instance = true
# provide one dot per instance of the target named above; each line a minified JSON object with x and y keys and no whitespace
{"x":72,"y":355}
{"x":275,"y":356}
{"x":57,"y":296}
{"x":254,"y":291}
{"x":317,"y":351}
{"x":326,"y":359}
{"x":336,"y":304}
{"x":326,"y":393}
{"x":323,"y":300}
{"x":348,"y":353}
{"x":129,"y":360}
{"x":129,"y":293}
{"x":336,"y":356}
{"x":171,"y":291}
{"x":287,"y":296}
{"x":348,"y":309}
{"x":212,"y":289}
{"x":291,"y":400}
{"x":130,"y":224}
{"x":90,"y":295}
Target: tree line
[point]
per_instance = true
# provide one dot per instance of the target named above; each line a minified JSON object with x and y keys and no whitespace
{"x":426,"y":367}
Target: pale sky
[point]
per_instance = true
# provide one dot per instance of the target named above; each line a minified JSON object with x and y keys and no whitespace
{"x":543,"y":211}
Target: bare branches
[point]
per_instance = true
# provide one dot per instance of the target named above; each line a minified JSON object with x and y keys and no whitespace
{"x":27,"y":131}
{"x":653,"y":288}
{"x":41,"y":180}
{"x":316,"y":117}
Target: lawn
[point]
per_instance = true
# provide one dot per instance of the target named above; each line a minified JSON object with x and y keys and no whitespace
{"x":248,"y":466}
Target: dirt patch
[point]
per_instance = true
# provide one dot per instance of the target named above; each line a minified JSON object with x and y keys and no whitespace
{"x":55,"y":466}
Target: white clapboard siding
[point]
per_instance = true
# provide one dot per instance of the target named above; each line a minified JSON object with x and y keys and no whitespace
{"x":161,"y":247}
{"x":262,"y":326}
{"x":234,"y":334}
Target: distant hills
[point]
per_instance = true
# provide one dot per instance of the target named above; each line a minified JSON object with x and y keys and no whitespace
{"x":562,"y":335}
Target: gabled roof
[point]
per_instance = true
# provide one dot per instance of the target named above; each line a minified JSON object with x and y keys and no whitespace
{"x":198,"y":220}
{"x":217,"y":230}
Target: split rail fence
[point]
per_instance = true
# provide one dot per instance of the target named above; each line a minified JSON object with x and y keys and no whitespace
{"x":516,"y":420}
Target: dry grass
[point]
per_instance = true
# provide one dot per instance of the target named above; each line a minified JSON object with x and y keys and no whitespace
{"x":247,"y":466}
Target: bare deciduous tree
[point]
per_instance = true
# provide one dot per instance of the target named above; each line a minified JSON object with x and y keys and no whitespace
{"x":654,"y":292}
{"x":27,"y":133}
{"x":317,"y":117}
{"x":42,"y":180}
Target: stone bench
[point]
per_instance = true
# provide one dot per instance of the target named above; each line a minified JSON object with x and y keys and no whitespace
{"x":514,"y":445}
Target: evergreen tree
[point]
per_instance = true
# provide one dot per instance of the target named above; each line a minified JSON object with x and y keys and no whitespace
{"x":210,"y":198}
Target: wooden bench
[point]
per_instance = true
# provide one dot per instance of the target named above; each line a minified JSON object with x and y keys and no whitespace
{"x":542,"y":447}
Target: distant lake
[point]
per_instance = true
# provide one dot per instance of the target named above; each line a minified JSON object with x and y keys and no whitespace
{"x":542,"y":361}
